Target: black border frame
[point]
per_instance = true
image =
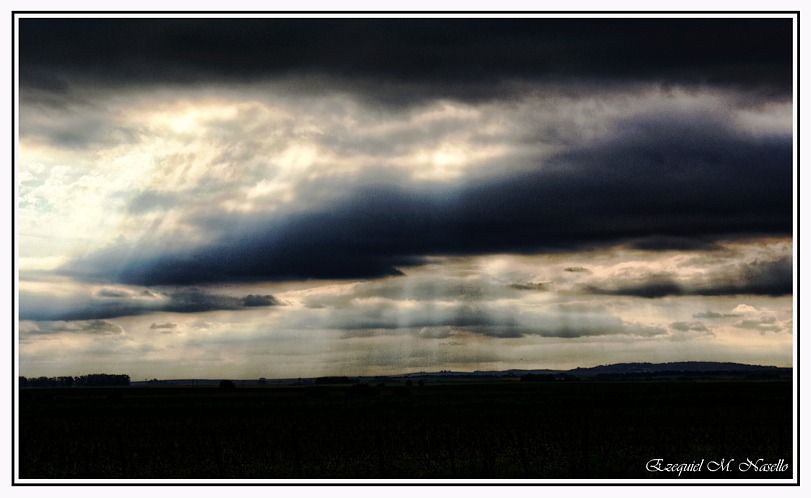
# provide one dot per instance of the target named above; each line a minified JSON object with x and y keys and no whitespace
{"x":305,"y":13}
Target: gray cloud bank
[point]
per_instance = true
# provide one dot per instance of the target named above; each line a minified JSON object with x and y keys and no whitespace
{"x":670,"y":179}
{"x":111,"y":304}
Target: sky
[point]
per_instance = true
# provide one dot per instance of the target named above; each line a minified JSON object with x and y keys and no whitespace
{"x":281,"y":198}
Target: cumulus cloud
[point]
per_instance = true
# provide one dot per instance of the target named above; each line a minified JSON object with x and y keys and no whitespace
{"x":760,"y":320}
{"x":683,"y":331}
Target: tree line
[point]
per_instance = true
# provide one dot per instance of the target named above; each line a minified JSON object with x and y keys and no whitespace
{"x":80,"y":381}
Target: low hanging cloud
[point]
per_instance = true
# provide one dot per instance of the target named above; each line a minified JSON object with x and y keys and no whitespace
{"x":163,"y":326}
{"x":92,"y":327}
{"x":419,"y":288}
{"x":762,"y":324}
{"x":113,"y":293}
{"x":438,"y":319}
{"x":689,"y":327}
{"x":769,"y":277}
{"x":683,"y":331}
{"x":531,"y":286}
{"x":760,"y":319}
{"x":110,"y":304}
{"x":713,"y":315}
{"x":651,"y":287}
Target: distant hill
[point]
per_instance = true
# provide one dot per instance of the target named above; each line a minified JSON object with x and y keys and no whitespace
{"x":617,"y":371}
{"x":675,"y":367}
{"x":620,"y":369}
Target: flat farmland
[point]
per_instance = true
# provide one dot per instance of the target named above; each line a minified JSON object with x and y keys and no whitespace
{"x":499,"y":429}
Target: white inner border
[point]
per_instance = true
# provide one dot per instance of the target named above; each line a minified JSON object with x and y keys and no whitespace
{"x":471,"y":5}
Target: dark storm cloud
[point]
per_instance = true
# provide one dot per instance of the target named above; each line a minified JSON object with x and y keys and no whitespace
{"x":759,"y":277}
{"x":194,"y":300}
{"x":458,"y":58}
{"x":675,"y":177}
{"x":253,"y":300}
{"x":768,"y":277}
{"x":110,"y":304}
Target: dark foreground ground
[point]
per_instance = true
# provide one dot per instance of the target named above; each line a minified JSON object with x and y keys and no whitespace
{"x":507,"y":429}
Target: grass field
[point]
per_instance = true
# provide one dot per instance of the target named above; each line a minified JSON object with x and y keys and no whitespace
{"x":504,"y":429}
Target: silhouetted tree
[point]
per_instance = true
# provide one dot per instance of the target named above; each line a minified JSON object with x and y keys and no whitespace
{"x":82,"y":380}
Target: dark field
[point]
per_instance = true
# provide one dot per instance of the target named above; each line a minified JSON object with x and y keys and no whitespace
{"x":507,"y":429}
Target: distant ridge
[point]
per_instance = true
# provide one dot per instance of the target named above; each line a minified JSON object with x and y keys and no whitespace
{"x":619,"y":369}
{"x":679,"y":366}
{"x":611,"y":371}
